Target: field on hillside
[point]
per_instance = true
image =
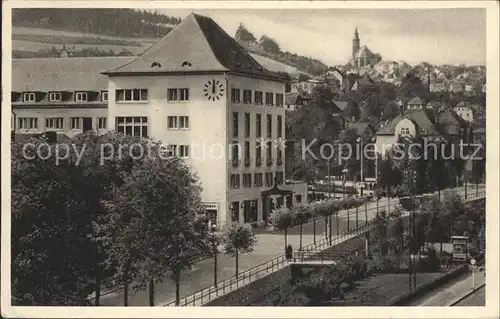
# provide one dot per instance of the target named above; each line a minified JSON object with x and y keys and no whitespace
{"x":34,"y":39}
{"x":35,"y":46}
{"x":52,"y":32}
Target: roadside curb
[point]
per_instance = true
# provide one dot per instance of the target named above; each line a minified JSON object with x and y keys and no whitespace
{"x":457,"y":300}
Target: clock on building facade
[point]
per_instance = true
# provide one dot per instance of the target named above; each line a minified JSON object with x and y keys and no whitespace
{"x":213,"y":90}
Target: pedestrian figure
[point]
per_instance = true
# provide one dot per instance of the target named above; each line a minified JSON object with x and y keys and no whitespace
{"x":289,"y":252}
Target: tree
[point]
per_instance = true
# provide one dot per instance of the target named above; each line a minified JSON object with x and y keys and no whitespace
{"x":243,"y":34}
{"x":239,"y":239}
{"x":52,"y":212}
{"x":282,"y":219}
{"x":396,"y":232}
{"x":300,"y":215}
{"x":380,"y":231}
{"x":269,"y":45}
{"x":390,"y":176}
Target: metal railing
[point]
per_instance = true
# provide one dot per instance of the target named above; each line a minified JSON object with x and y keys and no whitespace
{"x":210,"y":293}
{"x":250,"y":275}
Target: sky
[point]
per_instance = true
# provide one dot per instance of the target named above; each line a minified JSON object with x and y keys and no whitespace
{"x":437,"y":36}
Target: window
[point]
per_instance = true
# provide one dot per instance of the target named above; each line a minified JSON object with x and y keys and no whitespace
{"x":269,"y":179}
{"x":258,"y":154}
{"x":76,"y":123}
{"x":280,"y":126}
{"x":247,"y":180}
{"x":235,"y":211}
{"x":183,"y":151}
{"x":55,"y":97}
{"x":269,"y":151}
{"x":279,"y":178}
{"x":258,"y":98}
{"x":134,"y":126}
{"x":131,"y":95}
{"x":235,"y":181}
{"x":56,"y":123}
{"x":178,"y":95}
{"x":279,"y":99}
{"x":280,"y":156}
{"x":235,"y":124}
{"x":184,"y":122}
{"x":172,"y":123}
{"x":171,"y":150}
{"x":29,"y":97}
{"x":405,"y":131}
{"x":247,"y":153}
{"x":247,"y":96}
{"x":28,"y":123}
{"x":235,"y":96}
{"x":269,"y":98}
{"x":235,"y":151}
{"x":269,"y":125}
{"x":81,"y":96}
{"x":247,"y":124}
{"x":104,"y":96}
{"x":258,"y":125}
{"x":183,"y":94}
{"x":258,"y":179}
{"x":102,"y":123}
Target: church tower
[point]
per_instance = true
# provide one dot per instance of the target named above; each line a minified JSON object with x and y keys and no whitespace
{"x":355,"y":43}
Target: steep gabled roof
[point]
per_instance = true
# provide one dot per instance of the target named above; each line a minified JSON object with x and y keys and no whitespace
{"x":363,"y":52}
{"x":63,"y":74}
{"x":197,"y":44}
{"x":416,"y":100}
{"x":341,"y":105}
{"x":421,"y":120}
{"x":359,"y":127}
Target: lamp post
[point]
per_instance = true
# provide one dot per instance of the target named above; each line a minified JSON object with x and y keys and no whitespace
{"x":213,"y":227}
{"x":344,"y":171}
{"x":360,"y":140}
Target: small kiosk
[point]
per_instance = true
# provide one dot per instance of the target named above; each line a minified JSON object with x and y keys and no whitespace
{"x":459,"y":247}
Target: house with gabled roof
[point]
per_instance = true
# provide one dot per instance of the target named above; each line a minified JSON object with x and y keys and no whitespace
{"x":426,"y":123}
{"x":465,"y":111}
{"x":198,"y":87}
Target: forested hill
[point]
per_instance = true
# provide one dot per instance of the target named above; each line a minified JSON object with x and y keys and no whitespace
{"x":115,"y":22}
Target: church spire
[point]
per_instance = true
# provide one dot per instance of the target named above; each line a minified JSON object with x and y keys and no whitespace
{"x":356,"y":34}
{"x":355,"y":42}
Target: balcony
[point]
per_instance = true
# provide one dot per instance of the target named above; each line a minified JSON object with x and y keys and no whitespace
{"x":236,"y":162}
{"x":258,"y":162}
{"x":270,"y":161}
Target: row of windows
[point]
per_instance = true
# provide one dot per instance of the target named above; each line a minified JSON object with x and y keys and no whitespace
{"x":245,"y":180}
{"x":257,"y":97}
{"x":236,"y":154}
{"x":258,"y":125}
{"x":57,"y":123}
{"x":32,"y":97}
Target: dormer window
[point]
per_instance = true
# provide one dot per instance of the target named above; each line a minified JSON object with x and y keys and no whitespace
{"x":55,"y":96}
{"x":29,"y":97}
{"x":156,"y":65}
{"x":186,"y":63}
{"x":104,"y":96}
{"x":81,"y":96}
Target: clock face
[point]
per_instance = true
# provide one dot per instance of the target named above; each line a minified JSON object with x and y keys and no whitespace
{"x":213,"y":90}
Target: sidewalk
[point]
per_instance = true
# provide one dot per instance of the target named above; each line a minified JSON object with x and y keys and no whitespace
{"x":449,"y":295}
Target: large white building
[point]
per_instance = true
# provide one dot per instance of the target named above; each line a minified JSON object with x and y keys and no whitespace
{"x":201,"y":93}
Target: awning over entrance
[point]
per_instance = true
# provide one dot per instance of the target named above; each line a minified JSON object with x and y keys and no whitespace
{"x":276,"y":190}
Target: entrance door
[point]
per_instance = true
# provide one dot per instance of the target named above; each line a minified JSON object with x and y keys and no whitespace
{"x":87,"y":124}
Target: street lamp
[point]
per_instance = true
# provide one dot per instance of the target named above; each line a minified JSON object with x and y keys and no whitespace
{"x":213,"y":227}
{"x":360,"y":140}
{"x":344,"y":171}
